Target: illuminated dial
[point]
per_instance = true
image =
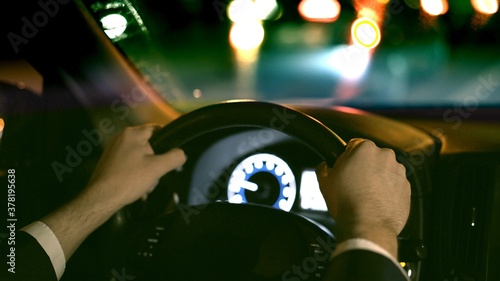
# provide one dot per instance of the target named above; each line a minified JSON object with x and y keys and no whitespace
{"x":263,"y":179}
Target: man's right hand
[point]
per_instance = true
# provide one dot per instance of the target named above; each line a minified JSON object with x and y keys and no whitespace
{"x":367,"y":193}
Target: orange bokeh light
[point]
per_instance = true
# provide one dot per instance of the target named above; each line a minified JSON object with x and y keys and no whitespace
{"x":369,"y":13}
{"x":487,"y":7}
{"x":319,"y":10}
{"x":370,"y":9}
{"x":434,"y":7}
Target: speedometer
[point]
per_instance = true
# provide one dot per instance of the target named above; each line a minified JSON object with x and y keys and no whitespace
{"x":263,"y":179}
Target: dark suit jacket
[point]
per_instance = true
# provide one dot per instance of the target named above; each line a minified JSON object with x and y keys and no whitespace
{"x":32,"y":263}
{"x":358,"y":265}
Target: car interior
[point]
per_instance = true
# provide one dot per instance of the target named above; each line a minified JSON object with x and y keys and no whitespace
{"x":257,"y":93}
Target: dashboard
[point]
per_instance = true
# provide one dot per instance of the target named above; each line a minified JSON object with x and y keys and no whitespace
{"x":267,"y":167}
{"x":261,"y":166}
{"x":452,"y":223}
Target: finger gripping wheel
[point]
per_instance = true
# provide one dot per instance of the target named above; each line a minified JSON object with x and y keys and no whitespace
{"x":319,"y":138}
{"x":226,"y":241}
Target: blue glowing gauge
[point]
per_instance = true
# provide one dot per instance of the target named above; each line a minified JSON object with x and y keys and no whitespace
{"x":263,"y":179}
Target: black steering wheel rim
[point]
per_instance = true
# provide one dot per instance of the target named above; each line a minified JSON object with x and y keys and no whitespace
{"x":248,"y":113}
{"x":218,"y":229}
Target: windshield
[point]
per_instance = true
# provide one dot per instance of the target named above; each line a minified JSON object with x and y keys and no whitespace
{"x":379,"y":53}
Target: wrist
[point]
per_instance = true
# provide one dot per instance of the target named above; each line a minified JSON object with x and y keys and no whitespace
{"x":98,"y":196}
{"x":73,"y":222}
{"x":382,"y":236}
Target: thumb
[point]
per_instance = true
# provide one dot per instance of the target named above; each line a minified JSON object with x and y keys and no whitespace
{"x":169,"y":160}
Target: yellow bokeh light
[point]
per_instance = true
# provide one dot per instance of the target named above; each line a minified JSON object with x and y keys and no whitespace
{"x":368,"y":13}
{"x":403,"y":264}
{"x":319,"y":10}
{"x":241,"y":10}
{"x":246,"y":35}
{"x":488,"y":7}
{"x":434,"y":7}
{"x":244,"y":10}
{"x":365,"y":33}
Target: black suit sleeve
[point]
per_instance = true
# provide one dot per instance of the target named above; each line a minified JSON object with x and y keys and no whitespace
{"x":358,"y":265}
{"x":32,"y":262}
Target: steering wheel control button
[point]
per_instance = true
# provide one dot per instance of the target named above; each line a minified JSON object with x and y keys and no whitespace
{"x":148,"y":243}
{"x":318,"y":251}
{"x":263,"y":179}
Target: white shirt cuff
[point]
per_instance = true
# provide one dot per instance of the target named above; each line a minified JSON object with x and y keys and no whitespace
{"x":363,"y":244}
{"x":49,"y":242}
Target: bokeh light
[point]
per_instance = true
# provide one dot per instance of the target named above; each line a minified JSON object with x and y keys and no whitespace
{"x":350,"y":62}
{"x":241,"y":10}
{"x":246,"y":35}
{"x":2,"y":126}
{"x":365,"y":33}
{"x":114,"y":25}
{"x":368,"y":13}
{"x":319,"y":10}
{"x":487,"y":7}
{"x":434,"y":7}
{"x":267,"y":9}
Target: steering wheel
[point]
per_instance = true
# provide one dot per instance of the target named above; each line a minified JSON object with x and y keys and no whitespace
{"x":212,"y":241}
